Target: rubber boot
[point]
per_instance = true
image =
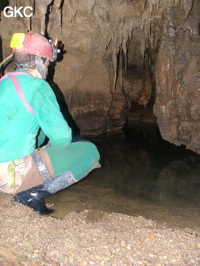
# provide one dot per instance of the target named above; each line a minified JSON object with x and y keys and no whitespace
{"x":33,"y":198}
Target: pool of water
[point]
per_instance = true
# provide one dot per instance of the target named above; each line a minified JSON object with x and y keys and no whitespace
{"x":141,"y":175}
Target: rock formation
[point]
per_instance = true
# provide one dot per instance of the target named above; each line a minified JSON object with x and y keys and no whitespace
{"x":121,"y":53}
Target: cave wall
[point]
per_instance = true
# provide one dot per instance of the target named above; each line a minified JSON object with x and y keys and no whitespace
{"x":121,"y":52}
{"x":178,"y":76}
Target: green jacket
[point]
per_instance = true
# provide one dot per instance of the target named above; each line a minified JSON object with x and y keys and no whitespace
{"x":19,"y":129}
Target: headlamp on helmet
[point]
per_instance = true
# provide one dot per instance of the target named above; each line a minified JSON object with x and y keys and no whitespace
{"x":55,"y":49}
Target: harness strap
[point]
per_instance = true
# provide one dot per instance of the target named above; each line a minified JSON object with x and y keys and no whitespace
{"x":18,"y":88}
{"x":41,"y":166}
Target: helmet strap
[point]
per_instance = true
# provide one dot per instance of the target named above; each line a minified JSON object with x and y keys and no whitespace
{"x":42,"y":70}
{"x":46,"y":64}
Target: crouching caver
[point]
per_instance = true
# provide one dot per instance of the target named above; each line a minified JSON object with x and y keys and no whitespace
{"x":29,"y":111}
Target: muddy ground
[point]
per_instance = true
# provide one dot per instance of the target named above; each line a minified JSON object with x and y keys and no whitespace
{"x":86,"y":238}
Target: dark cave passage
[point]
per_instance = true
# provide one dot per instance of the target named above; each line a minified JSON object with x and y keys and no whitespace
{"x":141,"y":175}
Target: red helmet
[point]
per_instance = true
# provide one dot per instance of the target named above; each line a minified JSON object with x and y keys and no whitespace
{"x":31,"y":43}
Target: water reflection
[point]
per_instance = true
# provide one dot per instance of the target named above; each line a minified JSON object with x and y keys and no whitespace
{"x":141,"y":174}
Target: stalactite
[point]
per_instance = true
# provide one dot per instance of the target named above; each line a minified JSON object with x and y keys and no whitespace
{"x":115,"y":27}
{"x":61,"y":12}
{"x":28,"y":20}
{"x":142,"y":45}
{"x":114,"y":63}
{"x":120,"y":71}
{"x":124,"y":49}
{"x":121,"y":43}
{"x":127,"y":34}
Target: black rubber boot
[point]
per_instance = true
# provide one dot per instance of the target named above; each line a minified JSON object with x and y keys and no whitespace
{"x":33,"y":198}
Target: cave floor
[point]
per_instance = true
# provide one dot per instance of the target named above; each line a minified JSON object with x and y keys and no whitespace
{"x":92,"y":238}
